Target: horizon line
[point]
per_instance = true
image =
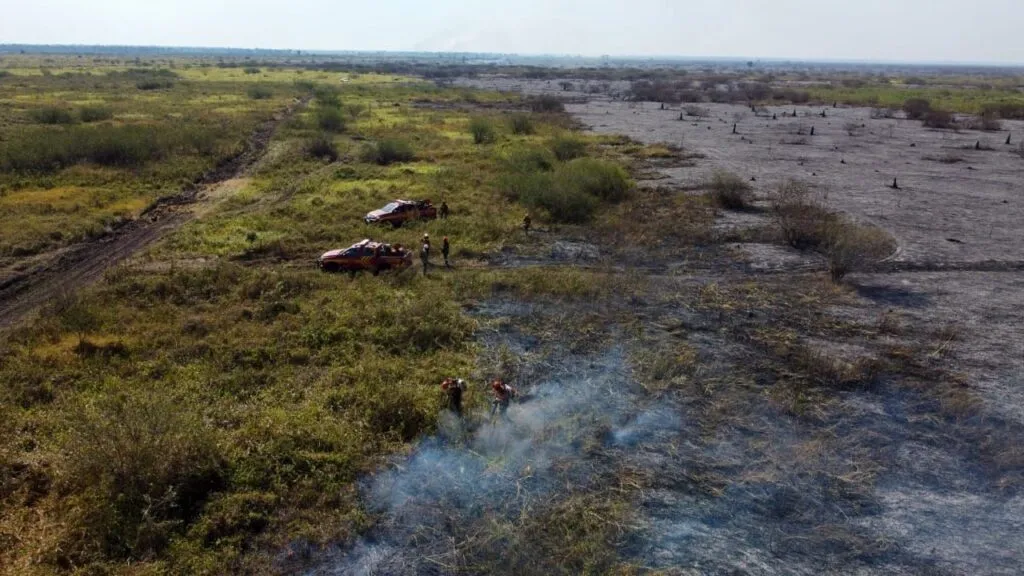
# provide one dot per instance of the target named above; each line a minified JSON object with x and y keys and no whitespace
{"x":528,"y":55}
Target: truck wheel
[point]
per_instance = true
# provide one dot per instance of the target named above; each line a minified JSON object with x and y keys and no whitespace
{"x":331,"y":267}
{"x":396,"y":224}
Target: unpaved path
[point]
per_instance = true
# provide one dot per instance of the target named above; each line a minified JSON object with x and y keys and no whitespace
{"x":69,"y":268}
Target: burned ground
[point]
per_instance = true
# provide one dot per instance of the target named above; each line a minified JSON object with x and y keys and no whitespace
{"x":732,"y":411}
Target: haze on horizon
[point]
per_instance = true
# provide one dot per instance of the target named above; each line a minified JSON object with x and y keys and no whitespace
{"x":882,"y":30}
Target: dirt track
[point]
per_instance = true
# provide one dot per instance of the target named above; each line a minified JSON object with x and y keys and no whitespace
{"x":68,"y":268}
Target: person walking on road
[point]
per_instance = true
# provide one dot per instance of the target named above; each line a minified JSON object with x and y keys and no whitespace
{"x":445,"y":250}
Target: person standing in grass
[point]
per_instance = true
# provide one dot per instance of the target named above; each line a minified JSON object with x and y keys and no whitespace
{"x":444,"y":210}
{"x":526,"y":223}
{"x":453,"y":388}
{"x":445,"y":249}
{"x":425,"y":254}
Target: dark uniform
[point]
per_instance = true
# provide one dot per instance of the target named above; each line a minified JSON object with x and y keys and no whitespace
{"x":444,"y":211}
{"x":445,"y":249}
{"x":453,"y":388}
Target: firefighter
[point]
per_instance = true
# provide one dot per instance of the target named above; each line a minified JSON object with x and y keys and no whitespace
{"x":526,"y":223}
{"x":445,"y":250}
{"x":503,"y":394}
{"x":425,"y":253}
{"x":444,"y":210}
{"x":453,"y":389}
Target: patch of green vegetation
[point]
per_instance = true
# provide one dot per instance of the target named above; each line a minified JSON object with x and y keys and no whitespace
{"x":966,"y":101}
{"x":483,"y":130}
{"x":219,"y":396}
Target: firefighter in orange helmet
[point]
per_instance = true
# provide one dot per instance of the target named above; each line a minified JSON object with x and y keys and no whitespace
{"x":503,"y":394}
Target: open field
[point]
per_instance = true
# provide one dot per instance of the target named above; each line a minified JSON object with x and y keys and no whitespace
{"x":697,"y":396}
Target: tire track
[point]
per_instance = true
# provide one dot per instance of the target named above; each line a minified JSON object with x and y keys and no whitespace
{"x":83,"y":263}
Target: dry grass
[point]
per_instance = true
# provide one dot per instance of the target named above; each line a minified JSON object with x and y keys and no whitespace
{"x":730,"y":191}
{"x":807,"y":224}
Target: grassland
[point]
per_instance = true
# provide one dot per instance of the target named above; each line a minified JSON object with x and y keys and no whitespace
{"x":215,"y":399}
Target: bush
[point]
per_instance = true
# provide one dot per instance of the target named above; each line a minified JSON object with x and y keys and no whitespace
{"x":571,"y":193}
{"x":801,"y":217}
{"x":806,"y":223}
{"x":984,"y":123}
{"x":917,"y":108}
{"x":1013,"y":110}
{"x":730,"y":191}
{"x":153,"y":84}
{"x":259,"y":92}
{"x":521,"y":124}
{"x":530,"y":159}
{"x":562,"y":202}
{"x":568,"y":148}
{"x":599,"y":178}
{"x":52,"y":115}
{"x":939,"y":119}
{"x":327,"y":96}
{"x":95,"y":113}
{"x":387,"y":151}
{"x":546,"y":104}
{"x":321,"y":147}
{"x":252,"y":70}
{"x":483,"y":130}
{"x":45,"y":150}
{"x":330,"y":119}
{"x":850,"y":247}
{"x":139,"y":467}
{"x":697,"y":111}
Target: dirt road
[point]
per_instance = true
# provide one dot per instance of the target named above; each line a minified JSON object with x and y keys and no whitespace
{"x":69,"y":268}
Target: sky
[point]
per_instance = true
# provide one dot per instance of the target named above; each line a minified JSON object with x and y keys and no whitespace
{"x":989,"y":31}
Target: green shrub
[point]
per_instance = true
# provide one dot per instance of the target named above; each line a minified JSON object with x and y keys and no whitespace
{"x":95,"y":113}
{"x":730,"y":191}
{"x":327,"y":96}
{"x":259,"y":92}
{"x":153,"y":84}
{"x":330,"y":119}
{"x":252,"y":70}
{"x":138,"y":466}
{"x":306,"y":86}
{"x":387,"y":151}
{"x":571,"y":193}
{"x":521,"y":124}
{"x":321,"y":147}
{"x":599,"y":178}
{"x":52,"y":115}
{"x":483,"y":130}
{"x":568,"y":147}
{"x":529,"y":159}
{"x":46,"y":150}
{"x":563,"y":201}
